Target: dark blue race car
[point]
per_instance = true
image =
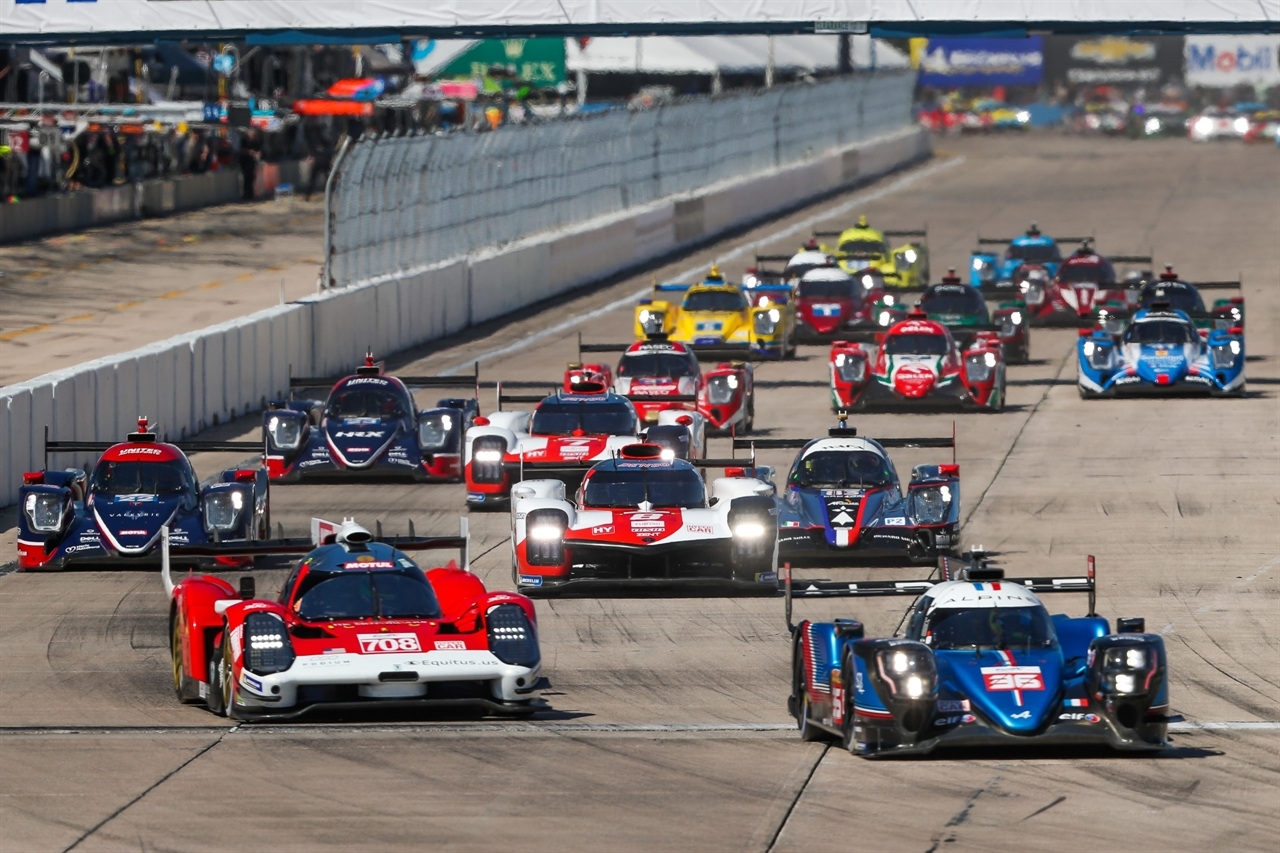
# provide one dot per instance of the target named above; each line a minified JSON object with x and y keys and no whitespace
{"x":113,"y":515}
{"x":989,"y":268}
{"x":981,"y":663}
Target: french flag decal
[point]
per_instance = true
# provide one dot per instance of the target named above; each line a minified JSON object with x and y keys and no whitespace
{"x":1075,"y":703}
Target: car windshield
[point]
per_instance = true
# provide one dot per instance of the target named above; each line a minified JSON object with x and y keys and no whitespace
{"x":662,"y":487}
{"x":1035,"y":253}
{"x":715,"y":300}
{"x":950,"y":299}
{"x":366,"y":401}
{"x":563,"y":418}
{"x":400,"y":594}
{"x":141,"y":478}
{"x":842,"y":469}
{"x":1158,"y":332}
{"x":864,"y":247}
{"x":1081,"y":273}
{"x":826,"y":289}
{"x":915,"y":345}
{"x":662,"y":365}
{"x":1179,"y":298}
{"x":1026,"y":628}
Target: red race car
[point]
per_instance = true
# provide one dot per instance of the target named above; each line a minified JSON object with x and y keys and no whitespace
{"x":1084,"y":280}
{"x":358,"y":625}
{"x":658,"y":375}
{"x":828,"y":299}
{"x":917,"y":365}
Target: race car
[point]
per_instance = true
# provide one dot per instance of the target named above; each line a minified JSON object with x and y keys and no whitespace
{"x":980,"y":664}
{"x":865,"y":248}
{"x":719,"y":318}
{"x":1232,"y":122}
{"x":827,"y":299}
{"x":1161,"y":352}
{"x":843,"y":502}
{"x":1084,"y":281}
{"x":987,"y":268}
{"x":659,"y":375}
{"x":369,"y":428}
{"x":962,"y":308}
{"x":358,"y":625}
{"x":645,"y":519}
{"x":1180,"y":295}
{"x":916,"y":365}
{"x":568,"y":432}
{"x":112,"y":517}
{"x":793,"y":269}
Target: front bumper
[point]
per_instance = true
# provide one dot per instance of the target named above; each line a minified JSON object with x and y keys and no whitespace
{"x":804,"y":547}
{"x":982,"y":734}
{"x":951,"y":397}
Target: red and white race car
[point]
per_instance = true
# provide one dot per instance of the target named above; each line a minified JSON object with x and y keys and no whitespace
{"x":645,"y":519}
{"x":567,"y":433}
{"x":1084,"y":281}
{"x":917,"y":365}
{"x":658,"y":375}
{"x":828,"y":299}
{"x":358,"y":625}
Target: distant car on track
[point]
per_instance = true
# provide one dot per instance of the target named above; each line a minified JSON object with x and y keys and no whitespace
{"x":980,"y":664}
{"x":863,"y":247}
{"x":718,"y":318}
{"x":112,"y":516}
{"x":827,"y":298}
{"x":358,"y":626}
{"x":988,"y":268}
{"x":963,"y":309}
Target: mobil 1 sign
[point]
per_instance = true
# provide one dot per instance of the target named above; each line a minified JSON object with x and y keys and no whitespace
{"x":1221,"y":61}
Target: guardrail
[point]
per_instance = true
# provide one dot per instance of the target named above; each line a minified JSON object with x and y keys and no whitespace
{"x":193,"y":381}
{"x":406,"y":202}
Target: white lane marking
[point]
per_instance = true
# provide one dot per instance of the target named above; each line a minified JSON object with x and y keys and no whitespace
{"x":1217,"y":599}
{"x":803,"y":225}
{"x":1233,"y":726}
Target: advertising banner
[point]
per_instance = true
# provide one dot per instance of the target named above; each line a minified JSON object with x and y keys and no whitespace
{"x":1221,"y":61}
{"x":949,"y":62}
{"x":1113,"y":60}
{"x":538,"y":61}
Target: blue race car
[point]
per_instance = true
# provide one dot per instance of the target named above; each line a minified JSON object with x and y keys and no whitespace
{"x":843,"y":503}
{"x":112,"y":516}
{"x":981,"y":664}
{"x":989,"y":269}
{"x":368,"y":428}
{"x":1161,"y":352}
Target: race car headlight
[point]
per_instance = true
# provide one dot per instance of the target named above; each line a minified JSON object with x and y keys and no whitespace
{"x":750,"y":530}
{"x":932,"y":504}
{"x":1023,"y":116}
{"x":1241,"y":125}
{"x":766,"y":322}
{"x":721,"y":389}
{"x":909,"y":672}
{"x":1152,"y":125}
{"x":651,"y":322}
{"x":44,"y":512}
{"x":435,"y":432}
{"x":979,"y":264}
{"x":544,"y":537}
{"x":886,"y":318}
{"x":850,"y":368}
{"x":1033,"y":292}
{"x":286,"y":433}
{"x":267,"y":648}
{"x":512,"y":637}
{"x":1224,"y":356}
{"x":1099,"y":356}
{"x":977,"y":368}
{"x":1112,"y":324}
{"x":1124,"y":669}
{"x":869,"y":282}
{"x":222,"y":510}
{"x":1203,"y":125}
{"x":486,"y":458}
{"x":1009,"y":326}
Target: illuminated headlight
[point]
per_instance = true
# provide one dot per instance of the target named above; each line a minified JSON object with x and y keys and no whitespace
{"x":286,"y":433}
{"x":1225,"y":356}
{"x":915,"y":687}
{"x":547,"y":532}
{"x":667,"y":454}
{"x":1241,"y":125}
{"x":932,"y":504}
{"x":488,"y":455}
{"x":1127,"y":668}
{"x":651,"y":322}
{"x":44,"y":512}
{"x":1023,"y":116}
{"x":544,"y":545}
{"x":1033,"y":291}
{"x":486,"y":458}
{"x":1016,"y":318}
{"x":1089,"y":348}
{"x":889,"y":299}
{"x":512,"y":637}
{"x":910,"y":673}
{"x":766,"y":322}
{"x":1152,"y":125}
{"x":1008,"y":327}
{"x":222,"y":510}
{"x":749,"y":281}
{"x":749,"y":530}
{"x":721,"y":389}
{"x":267,"y":646}
{"x":434,"y":431}
{"x":979,"y":264}
{"x":1204,"y":125}
{"x":1235,"y":347}
{"x":850,"y":369}
{"x":989,"y":359}
{"x":976,"y":368}
{"x":885,"y":318}
{"x":1125,"y":682}
{"x":868,"y":282}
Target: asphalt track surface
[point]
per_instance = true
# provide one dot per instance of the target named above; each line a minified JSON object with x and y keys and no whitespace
{"x":669,"y":729}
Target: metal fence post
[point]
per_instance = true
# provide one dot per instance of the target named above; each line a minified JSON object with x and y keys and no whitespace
{"x":326,"y":275}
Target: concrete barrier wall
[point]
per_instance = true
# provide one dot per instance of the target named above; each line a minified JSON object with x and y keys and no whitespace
{"x":193,"y":381}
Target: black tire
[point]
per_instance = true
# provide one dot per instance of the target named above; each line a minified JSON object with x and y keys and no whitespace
{"x":846,"y":727}
{"x":186,"y":687}
{"x":221,"y":690}
{"x":809,"y":733}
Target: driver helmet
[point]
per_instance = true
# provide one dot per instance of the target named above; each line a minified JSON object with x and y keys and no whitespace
{"x":862,"y":222}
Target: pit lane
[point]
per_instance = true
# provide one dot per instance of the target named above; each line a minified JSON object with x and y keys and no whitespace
{"x":668,"y":729}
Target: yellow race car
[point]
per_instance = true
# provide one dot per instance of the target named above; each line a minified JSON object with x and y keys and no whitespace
{"x":862,"y":247}
{"x":719,"y":318}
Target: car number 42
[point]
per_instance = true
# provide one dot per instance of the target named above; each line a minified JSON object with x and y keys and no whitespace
{"x":383,"y":643}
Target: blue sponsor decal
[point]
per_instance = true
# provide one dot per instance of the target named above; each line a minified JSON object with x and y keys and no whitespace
{"x":949,"y":62}
{"x":475,"y":497}
{"x":766,"y":577}
{"x":531,"y":580}
{"x":252,"y":683}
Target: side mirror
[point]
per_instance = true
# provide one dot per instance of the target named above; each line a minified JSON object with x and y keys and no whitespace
{"x":248,"y":588}
{"x":1131,"y":625}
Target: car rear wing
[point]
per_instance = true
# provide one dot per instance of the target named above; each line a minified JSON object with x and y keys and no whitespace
{"x":305,"y":545}
{"x":844,"y":431}
{"x":973,"y":568}
{"x":1004,"y":241}
{"x":51,"y":447}
{"x":502,"y":397}
{"x":1237,"y":284}
{"x":464,"y":381}
{"x":908,"y":232}
{"x":827,"y":233}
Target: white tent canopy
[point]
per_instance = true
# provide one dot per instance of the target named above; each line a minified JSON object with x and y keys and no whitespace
{"x":724,"y":54}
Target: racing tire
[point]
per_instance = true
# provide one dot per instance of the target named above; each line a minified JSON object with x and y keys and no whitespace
{"x":186,"y":687}
{"x":221,"y":688}
{"x":847,"y":738}
{"x":749,"y":422}
{"x":809,"y":733}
